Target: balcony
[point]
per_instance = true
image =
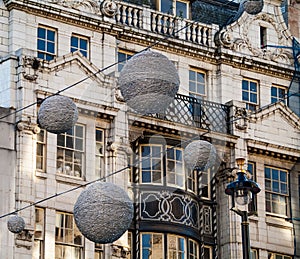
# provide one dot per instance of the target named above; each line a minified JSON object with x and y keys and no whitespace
{"x":145,"y":18}
{"x":198,"y":113}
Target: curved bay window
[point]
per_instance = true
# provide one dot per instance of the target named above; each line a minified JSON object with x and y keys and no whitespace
{"x":161,"y":164}
{"x":164,"y":165}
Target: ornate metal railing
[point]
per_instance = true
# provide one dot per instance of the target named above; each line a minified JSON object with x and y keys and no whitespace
{"x":202,"y":114}
{"x":143,"y":17}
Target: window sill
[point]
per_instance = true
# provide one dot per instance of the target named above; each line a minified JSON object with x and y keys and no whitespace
{"x":278,"y":221}
{"x":69,"y":179}
{"x":41,"y":174}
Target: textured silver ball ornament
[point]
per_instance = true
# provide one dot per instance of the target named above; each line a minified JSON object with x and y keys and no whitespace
{"x":253,"y":6}
{"x":15,"y":224}
{"x":57,"y":114}
{"x":200,"y":154}
{"x":149,"y":82}
{"x":103,"y":212}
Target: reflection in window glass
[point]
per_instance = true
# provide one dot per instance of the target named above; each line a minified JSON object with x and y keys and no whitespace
{"x":151,"y":164}
{"x":175,"y":172}
{"x":70,"y":150}
{"x":68,"y":239}
{"x":41,"y":150}
{"x":152,"y":246}
{"x":99,"y":154}
{"x":276,"y":185}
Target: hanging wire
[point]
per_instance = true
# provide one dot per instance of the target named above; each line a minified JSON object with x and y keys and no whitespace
{"x":99,"y":179}
{"x":97,"y":72}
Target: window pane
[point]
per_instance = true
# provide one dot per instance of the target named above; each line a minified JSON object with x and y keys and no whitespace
{"x":192,"y":75}
{"x":274,"y":91}
{"x":275,"y":175}
{"x":41,"y":33}
{"x":181,"y":9}
{"x":166,"y":6}
{"x":245,"y":85}
{"x":50,"y":35}
{"x":41,"y":45}
{"x":74,"y":41}
{"x":253,"y":87}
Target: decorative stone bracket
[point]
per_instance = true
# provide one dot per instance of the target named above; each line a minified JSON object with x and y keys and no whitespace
{"x":120,"y":251}
{"x":241,"y":118}
{"x":25,"y":239}
{"x":30,"y":65}
{"x":28,"y":126}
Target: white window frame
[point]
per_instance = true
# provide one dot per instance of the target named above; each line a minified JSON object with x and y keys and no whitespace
{"x":176,"y":172}
{"x":99,"y":153}
{"x":152,"y":242}
{"x":78,"y":48}
{"x":67,"y":166}
{"x":277,"y":97}
{"x":41,"y":146}
{"x":151,"y":160}
{"x":60,"y":230}
{"x":270,"y":192}
{"x":195,"y":93}
{"x":250,"y":105}
{"x":46,"y":52}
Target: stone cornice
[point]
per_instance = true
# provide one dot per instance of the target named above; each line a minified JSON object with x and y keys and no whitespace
{"x":272,"y":150}
{"x":100,"y":23}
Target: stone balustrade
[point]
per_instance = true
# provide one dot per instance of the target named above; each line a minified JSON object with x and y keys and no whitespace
{"x":142,"y":17}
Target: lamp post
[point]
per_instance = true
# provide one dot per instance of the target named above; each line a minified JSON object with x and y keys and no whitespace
{"x":242,"y":192}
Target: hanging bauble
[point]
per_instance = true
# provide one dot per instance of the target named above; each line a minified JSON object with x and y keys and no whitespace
{"x":253,"y":6}
{"x":103,"y":212}
{"x":199,"y":154}
{"x":57,"y":114}
{"x":149,"y":82}
{"x":15,"y":224}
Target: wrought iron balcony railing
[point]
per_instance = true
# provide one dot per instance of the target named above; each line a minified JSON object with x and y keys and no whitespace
{"x":198,"y":113}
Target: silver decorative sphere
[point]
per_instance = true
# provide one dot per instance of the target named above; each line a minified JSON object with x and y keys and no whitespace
{"x":57,"y":114}
{"x":103,"y":212}
{"x":253,"y":6}
{"x":15,"y":224}
{"x":149,"y":82}
{"x":200,"y":154}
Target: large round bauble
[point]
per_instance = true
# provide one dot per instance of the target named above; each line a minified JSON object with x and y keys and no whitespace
{"x":199,"y":154}
{"x":253,"y":6}
{"x":149,"y":82}
{"x":57,"y":114}
{"x":15,"y":224}
{"x":103,"y":212}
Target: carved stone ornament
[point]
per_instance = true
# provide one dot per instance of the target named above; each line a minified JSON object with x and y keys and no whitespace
{"x":31,"y":66}
{"x":28,"y":126}
{"x":236,"y":36}
{"x":91,"y":6}
{"x":109,"y":8}
{"x":241,"y":117}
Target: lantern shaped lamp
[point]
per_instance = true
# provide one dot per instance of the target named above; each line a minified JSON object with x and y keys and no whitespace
{"x":243,"y":190}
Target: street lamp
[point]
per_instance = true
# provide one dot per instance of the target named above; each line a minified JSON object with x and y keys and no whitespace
{"x":243,"y":191}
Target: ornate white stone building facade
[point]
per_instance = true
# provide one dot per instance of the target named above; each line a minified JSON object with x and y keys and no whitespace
{"x":233,"y":93}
